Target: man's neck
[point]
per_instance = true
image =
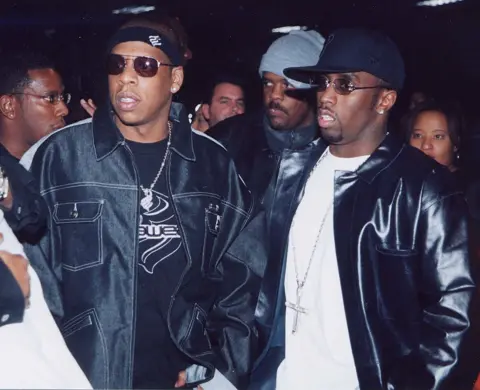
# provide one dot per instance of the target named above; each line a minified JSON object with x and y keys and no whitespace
{"x":362,"y":147}
{"x":15,"y":147}
{"x":146,"y":133}
{"x":296,"y":138}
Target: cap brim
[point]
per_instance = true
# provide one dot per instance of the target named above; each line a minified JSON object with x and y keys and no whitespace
{"x":306,"y":74}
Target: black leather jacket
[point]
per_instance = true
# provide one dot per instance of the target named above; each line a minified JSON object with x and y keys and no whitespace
{"x":275,"y":169}
{"x":401,"y":241}
{"x":87,"y":262}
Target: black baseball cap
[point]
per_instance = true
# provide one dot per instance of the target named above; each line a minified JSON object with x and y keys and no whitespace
{"x":356,"y":50}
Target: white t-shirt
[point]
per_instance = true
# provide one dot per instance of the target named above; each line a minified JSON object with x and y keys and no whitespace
{"x":33,"y":354}
{"x":319,"y":354}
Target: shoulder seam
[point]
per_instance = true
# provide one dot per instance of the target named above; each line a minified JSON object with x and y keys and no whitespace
{"x":209,"y":138}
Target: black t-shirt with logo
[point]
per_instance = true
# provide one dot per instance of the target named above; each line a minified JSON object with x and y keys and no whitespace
{"x":161,"y":261}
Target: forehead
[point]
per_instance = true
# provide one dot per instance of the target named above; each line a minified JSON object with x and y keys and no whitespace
{"x":228,"y":89}
{"x":139,"y":49}
{"x":273,"y":77}
{"x":433,"y":117}
{"x":45,"y":79}
{"x":354,"y":76}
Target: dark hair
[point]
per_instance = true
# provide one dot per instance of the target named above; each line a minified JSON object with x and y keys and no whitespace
{"x":452,"y":113}
{"x":224,"y":78}
{"x":14,"y":68}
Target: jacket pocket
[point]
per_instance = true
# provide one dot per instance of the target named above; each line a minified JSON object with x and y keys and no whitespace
{"x":84,"y":337}
{"x":76,"y":223}
{"x":196,"y":341}
{"x":396,"y":271}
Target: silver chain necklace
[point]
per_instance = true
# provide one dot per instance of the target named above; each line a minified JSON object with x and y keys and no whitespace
{"x":147,"y":200}
{"x":301,"y":283}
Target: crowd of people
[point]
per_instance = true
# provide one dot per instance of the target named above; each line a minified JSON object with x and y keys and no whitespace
{"x":309,"y":244}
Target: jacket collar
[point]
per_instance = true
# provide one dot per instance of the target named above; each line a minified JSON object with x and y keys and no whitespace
{"x":107,"y":137}
{"x":294,"y":139}
{"x":381,"y":158}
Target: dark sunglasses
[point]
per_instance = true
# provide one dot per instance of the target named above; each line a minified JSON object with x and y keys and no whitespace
{"x":144,"y":66}
{"x":342,"y":86}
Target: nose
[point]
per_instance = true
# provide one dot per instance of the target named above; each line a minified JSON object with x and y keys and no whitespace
{"x":426,"y":144}
{"x":278,"y":92}
{"x":61,"y":109}
{"x":329,"y":96}
{"x":129,"y":75}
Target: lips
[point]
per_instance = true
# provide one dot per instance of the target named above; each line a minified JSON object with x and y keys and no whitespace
{"x":275,"y":112}
{"x":325,"y":118}
{"x":127,"y":101}
{"x":58,"y":125}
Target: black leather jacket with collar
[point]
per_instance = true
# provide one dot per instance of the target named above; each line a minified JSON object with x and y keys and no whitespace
{"x":401,"y":239}
{"x":88,"y":260}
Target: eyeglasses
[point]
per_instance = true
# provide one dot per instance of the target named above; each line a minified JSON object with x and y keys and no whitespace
{"x":144,"y":66}
{"x":342,"y":86}
{"x":53,"y":98}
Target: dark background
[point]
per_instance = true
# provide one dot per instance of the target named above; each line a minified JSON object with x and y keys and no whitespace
{"x":440,"y":44}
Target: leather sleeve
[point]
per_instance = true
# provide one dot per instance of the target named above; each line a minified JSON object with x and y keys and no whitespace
{"x":447,"y":287}
{"x":231,"y":322}
{"x":12,"y":302}
{"x":27,"y":217}
{"x":43,"y":258}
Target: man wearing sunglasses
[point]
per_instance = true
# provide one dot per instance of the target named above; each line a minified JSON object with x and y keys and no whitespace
{"x":144,"y":265}
{"x":272,"y":148}
{"x":377,"y":279}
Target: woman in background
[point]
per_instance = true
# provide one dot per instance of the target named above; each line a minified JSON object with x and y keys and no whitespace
{"x":436,"y":130}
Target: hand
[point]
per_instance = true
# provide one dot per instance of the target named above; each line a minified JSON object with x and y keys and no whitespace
{"x":18,"y":266}
{"x":182,"y":380}
{"x":89,"y":106}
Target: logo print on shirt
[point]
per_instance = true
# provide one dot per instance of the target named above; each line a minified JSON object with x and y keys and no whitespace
{"x":158,"y":232}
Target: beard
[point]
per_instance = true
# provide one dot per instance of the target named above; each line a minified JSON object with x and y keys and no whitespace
{"x":332,"y":136}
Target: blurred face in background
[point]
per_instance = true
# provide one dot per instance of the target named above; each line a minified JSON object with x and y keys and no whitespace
{"x":430,"y":134}
{"x":228,"y":100}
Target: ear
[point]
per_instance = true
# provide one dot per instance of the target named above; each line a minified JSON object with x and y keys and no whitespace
{"x":8,"y":106}
{"x":386,"y":101}
{"x":206,"y":111}
{"x":177,"y":79}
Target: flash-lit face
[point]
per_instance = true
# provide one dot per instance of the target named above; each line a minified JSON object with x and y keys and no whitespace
{"x":283,"y":110}
{"x":139,"y":100}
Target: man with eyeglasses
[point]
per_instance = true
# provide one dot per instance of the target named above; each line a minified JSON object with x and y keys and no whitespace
{"x":145,"y":265}
{"x":377,"y":279}
{"x":24,"y":120}
{"x":32,"y":100}
{"x":34,"y":353}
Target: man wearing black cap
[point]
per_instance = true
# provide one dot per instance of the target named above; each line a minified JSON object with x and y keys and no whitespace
{"x":143,"y":265}
{"x":377,"y":277}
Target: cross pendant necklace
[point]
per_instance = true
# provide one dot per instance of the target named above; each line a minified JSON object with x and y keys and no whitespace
{"x":297,"y":308}
{"x":301,"y":282}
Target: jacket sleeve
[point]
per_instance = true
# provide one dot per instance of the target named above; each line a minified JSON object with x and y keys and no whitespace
{"x":49,"y":271}
{"x":27,"y":217}
{"x":446,"y":288}
{"x":42,"y":255}
{"x":231,"y":322}
{"x":12,"y":302}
